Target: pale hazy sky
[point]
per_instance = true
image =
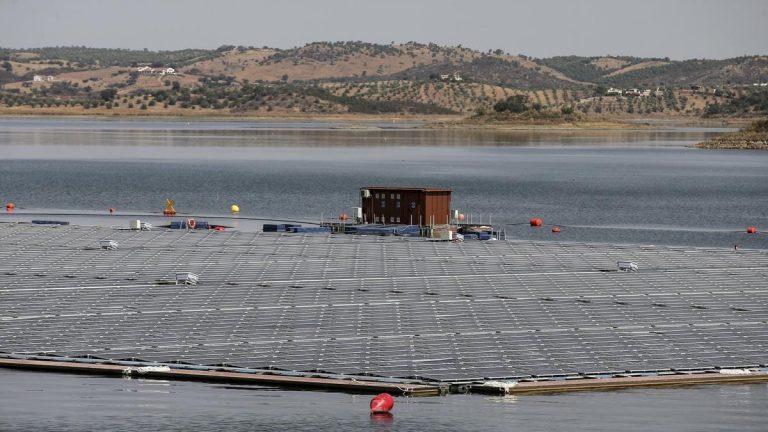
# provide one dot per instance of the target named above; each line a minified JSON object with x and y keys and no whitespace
{"x":649,"y":28}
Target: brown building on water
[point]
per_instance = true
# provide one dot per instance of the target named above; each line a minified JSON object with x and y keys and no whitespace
{"x":407,"y":206}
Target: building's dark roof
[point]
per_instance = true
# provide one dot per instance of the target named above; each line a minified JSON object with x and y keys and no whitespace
{"x":399,"y":188}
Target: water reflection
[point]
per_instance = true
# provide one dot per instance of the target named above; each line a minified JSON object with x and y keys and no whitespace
{"x":506,"y":399}
{"x":382,"y":418}
{"x":314,"y":135}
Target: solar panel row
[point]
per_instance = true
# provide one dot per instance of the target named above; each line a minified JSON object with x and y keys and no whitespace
{"x":381,"y":306}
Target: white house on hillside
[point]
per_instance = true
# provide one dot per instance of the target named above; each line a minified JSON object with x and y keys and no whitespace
{"x":158,"y":71}
{"x":451,"y":77}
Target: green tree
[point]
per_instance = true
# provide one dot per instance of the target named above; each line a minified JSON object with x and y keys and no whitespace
{"x":513,"y":104}
{"x":600,"y":90}
{"x":108,"y":94}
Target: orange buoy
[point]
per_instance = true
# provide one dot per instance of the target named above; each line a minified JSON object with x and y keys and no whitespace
{"x":10,"y":206}
{"x":555,"y":230}
{"x":751,"y":230}
{"x":462,"y":217}
{"x":536,"y":222}
{"x":191,"y":223}
{"x":343,"y":216}
{"x":218,"y":228}
{"x":382,"y":403}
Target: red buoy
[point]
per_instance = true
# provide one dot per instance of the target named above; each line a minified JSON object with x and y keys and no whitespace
{"x":10,"y":206}
{"x":462,"y":217}
{"x":218,"y":228}
{"x":382,"y":403}
{"x":343,"y":216}
{"x":536,"y":222}
{"x":555,"y":230}
{"x":751,"y":230}
{"x":112,"y":210}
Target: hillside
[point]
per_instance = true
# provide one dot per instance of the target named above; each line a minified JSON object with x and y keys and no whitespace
{"x":364,"y":62}
{"x":639,"y":72}
{"x":357,"y":77}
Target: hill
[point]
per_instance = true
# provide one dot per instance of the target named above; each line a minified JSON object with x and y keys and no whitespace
{"x":639,"y":72}
{"x":359,"y":77}
{"x":360,"y":61}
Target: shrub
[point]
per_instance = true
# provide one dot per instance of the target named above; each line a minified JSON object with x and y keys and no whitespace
{"x":513,"y":104}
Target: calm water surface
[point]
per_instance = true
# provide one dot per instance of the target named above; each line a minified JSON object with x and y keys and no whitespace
{"x":641,"y":186}
{"x":55,"y":402}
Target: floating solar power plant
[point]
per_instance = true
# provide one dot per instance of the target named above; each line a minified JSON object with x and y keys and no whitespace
{"x":386,"y":307}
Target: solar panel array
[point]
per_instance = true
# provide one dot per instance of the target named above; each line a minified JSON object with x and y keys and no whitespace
{"x":380,"y":306}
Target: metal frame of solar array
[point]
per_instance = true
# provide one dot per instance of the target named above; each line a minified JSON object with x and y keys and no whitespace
{"x":380,"y":306}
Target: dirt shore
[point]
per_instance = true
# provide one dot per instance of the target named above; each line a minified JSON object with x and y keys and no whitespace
{"x":752,"y":137}
{"x":457,"y":122}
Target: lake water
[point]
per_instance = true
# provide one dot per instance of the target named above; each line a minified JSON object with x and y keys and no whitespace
{"x":643,"y":186}
{"x":57,"y":402}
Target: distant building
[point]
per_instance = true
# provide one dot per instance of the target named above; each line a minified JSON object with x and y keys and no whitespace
{"x":658,"y":92}
{"x":409,"y":206}
{"x":451,"y":77}
{"x":41,"y":78}
{"x":613,"y":92}
{"x":155,"y":71}
{"x":632,"y":92}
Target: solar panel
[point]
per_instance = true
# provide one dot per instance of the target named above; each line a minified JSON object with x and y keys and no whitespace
{"x":380,"y":306}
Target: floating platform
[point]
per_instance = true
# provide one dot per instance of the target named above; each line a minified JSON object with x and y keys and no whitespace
{"x":382,"y":309}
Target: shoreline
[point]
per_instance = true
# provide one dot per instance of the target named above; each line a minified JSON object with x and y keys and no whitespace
{"x":427,"y":122}
{"x":752,"y":137}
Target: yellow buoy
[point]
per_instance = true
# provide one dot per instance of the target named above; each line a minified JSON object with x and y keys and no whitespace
{"x":235,"y":208}
{"x":169,"y":210}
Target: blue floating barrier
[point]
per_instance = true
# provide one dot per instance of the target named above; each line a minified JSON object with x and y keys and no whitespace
{"x":49,"y":222}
